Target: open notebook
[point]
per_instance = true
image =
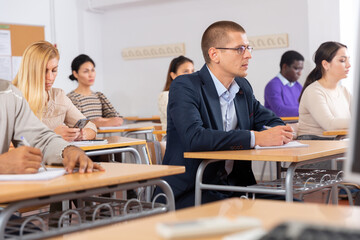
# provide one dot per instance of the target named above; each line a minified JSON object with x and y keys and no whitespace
{"x":292,"y":144}
{"x":41,"y":175}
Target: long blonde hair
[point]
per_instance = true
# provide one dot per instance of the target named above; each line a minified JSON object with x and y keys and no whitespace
{"x":30,"y":78}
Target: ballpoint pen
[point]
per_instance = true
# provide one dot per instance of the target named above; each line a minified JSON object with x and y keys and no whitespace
{"x":26,"y":143}
{"x":268,"y":127}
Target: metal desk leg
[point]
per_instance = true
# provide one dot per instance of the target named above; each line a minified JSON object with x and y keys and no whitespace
{"x":289,"y":195}
{"x":198,"y":180}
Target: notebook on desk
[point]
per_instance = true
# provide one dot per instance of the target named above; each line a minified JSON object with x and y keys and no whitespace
{"x":292,"y":144}
{"x":90,"y":142}
{"x":51,"y":173}
{"x":114,"y":128}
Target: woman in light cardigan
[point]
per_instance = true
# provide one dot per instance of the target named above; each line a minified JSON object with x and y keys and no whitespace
{"x":178,"y":66}
{"x":37,"y":73}
{"x":324,"y":103}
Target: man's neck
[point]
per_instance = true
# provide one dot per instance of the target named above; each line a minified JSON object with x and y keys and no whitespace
{"x":225,"y":79}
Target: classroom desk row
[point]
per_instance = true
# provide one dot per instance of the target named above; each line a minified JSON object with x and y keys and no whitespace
{"x":270,"y":213}
{"x":116,"y":177}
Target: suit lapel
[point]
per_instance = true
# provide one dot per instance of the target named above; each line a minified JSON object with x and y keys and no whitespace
{"x":241,"y":107}
{"x":211,"y":97}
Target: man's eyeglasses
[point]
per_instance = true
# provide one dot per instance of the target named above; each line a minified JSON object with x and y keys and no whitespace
{"x":240,"y":50}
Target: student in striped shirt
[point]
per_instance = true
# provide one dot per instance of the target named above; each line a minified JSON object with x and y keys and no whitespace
{"x":94,"y":105}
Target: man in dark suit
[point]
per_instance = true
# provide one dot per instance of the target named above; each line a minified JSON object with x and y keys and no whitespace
{"x":215,"y":109}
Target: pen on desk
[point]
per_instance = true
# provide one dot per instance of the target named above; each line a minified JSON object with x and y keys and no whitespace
{"x":26,"y":143}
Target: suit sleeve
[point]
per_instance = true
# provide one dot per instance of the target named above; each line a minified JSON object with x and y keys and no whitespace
{"x":187,"y":111}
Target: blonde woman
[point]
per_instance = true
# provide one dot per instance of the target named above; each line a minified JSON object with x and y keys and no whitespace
{"x":35,"y":78}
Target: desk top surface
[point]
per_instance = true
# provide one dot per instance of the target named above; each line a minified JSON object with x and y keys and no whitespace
{"x":115,"y":173}
{"x":290,"y":118}
{"x":115,"y":142}
{"x":336,"y":132}
{"x":316,"y":149}
{"x":131,"y":127}
{"x":136,"y":118}
{"x":269,"y":212}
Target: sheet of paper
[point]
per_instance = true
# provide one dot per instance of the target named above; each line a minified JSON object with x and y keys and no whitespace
{"x":5,"y":68}
{"x":292,"y":144}
{"x":89,"y":143}
{"x":114,"y":128}
{"x":51,"y":173}
{"x":15,"y":65}
{"x":5,"y":43}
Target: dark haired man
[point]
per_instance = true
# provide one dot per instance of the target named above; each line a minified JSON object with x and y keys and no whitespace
{"x":215,"y":109}
{"x":283,"y":91}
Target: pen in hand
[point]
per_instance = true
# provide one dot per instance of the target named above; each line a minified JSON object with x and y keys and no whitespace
{"x":26,"y":143}
{"x":268,"y":127}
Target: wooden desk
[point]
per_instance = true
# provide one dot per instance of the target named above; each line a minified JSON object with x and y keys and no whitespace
{"x":290,"y":119}
{"x":316,"y":152}
{"x":154,"y":118}
{"x":130,"y":127}
{"x":116,"y":177}
{"x":115,"y":142}
{"x":269,"y":212}
{"x":336,"y":132}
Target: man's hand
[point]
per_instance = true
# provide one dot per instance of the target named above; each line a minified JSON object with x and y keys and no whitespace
{"x":74,"y":156}
{"x":68,"y":134}
{"x":275,"y":136}
{"x":21,"y":160}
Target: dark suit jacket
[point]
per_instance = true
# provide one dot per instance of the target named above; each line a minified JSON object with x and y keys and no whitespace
{"x":194,"y":123}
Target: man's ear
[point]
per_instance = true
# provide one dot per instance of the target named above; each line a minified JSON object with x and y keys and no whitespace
{"x":214,"y":55}
{"x":173,"y":75}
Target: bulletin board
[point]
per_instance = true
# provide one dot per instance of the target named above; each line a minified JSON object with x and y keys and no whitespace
{"x":14,"y":39}
{"x":22,"y":36}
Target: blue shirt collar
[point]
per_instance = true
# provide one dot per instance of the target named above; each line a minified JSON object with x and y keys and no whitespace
{"x":220,"y":88}
{"x":284,"y":81}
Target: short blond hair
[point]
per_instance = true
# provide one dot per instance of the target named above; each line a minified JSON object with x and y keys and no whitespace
{"x":216,"y":35}
{"x":30,"y":78}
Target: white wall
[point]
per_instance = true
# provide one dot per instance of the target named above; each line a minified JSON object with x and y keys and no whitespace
{"x":133,"y":85}
{"x":69,"y":29}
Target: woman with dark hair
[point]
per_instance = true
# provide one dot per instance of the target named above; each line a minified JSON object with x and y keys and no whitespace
{"x":178,"y":66}
{"x":94,"y":105}
{"x":324,"y":103}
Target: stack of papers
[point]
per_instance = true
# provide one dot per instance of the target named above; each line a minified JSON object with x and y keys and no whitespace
{"x":41,"y":175}
{"x":90,"y":142}
{"x":292,"y":144}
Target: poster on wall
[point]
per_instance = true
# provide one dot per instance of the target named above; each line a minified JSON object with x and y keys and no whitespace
{"x":15,"y":62}
{"x":5,"y":43}
{"x":5,"y":68}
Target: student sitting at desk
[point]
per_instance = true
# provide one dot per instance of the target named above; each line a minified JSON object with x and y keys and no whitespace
{"x":178,"y":66}
{"x":215,"y":109}
{"x":35,"y":78}
{"x":324,"y":103}
{"x":94,"y":105}
{"x":16,"y":121}
{"x":283,"y":91}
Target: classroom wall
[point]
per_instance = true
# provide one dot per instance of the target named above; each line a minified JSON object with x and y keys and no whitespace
{"x":135,"y":84}
{"x":75,"y":31}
